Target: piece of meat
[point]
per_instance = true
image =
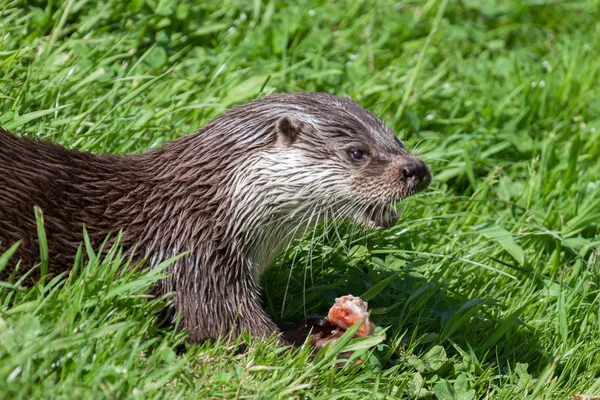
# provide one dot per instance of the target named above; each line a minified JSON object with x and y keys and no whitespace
{"x":347,"y":311}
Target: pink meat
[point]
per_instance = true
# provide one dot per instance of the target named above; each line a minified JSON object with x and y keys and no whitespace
{"x":347,"y":311}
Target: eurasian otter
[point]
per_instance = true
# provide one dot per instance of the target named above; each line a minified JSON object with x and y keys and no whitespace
{"x":232,"y":195}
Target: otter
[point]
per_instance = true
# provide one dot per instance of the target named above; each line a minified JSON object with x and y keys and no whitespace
{"x":231,"y":196}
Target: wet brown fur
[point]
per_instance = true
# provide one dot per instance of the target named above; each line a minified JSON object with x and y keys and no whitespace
{"x":228,"y":194}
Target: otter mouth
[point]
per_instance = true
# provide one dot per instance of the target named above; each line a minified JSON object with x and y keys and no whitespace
{"x":379,"y":217}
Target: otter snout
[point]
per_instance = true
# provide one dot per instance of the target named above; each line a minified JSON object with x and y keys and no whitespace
{"x":415,"y":174}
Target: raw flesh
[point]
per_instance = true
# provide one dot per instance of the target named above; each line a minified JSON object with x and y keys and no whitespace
{"x":347,"y":311}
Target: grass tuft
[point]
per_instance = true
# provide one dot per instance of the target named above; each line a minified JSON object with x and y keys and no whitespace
{"x":488,"y":288}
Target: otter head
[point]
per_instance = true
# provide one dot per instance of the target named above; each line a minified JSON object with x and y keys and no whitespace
{"x":305,"y":158}
{"x":337,"y":160}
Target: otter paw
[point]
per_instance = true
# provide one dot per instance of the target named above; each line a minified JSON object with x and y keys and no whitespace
{"x":316,"y":327}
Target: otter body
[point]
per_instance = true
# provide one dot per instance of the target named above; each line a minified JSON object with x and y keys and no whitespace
{"x":231,"y":195}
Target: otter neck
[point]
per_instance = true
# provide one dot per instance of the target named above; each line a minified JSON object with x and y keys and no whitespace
{"x":183,"y":210}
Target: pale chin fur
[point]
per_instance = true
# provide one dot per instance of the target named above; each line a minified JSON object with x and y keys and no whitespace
{"x":379,"y":217}
{"x":280,"y":195}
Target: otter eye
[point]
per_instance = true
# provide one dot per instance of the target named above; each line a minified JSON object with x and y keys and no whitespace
{"x":356,"y":154}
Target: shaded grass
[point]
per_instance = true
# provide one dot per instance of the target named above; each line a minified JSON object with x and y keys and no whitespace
{"x":488,"y":287}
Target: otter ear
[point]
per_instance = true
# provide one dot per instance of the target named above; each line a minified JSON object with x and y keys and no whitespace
{"x":288,"y":130}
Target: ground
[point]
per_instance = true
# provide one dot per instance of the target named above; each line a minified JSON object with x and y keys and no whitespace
{"x":487,"y":288}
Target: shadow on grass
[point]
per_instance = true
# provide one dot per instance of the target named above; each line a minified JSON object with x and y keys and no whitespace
{"x":420,"y":312}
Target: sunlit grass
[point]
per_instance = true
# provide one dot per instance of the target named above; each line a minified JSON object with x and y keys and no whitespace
{"x":489,"y":285}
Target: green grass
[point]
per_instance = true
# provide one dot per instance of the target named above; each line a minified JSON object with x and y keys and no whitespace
{"x":489,"y":286}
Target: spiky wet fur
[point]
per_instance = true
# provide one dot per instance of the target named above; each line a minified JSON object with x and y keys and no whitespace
{"x":232,"y":195}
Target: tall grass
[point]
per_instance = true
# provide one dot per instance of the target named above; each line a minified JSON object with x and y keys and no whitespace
{"x":488,"y":287}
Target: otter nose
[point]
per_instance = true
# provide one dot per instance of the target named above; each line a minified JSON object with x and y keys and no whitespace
{"x":417,"y":171}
